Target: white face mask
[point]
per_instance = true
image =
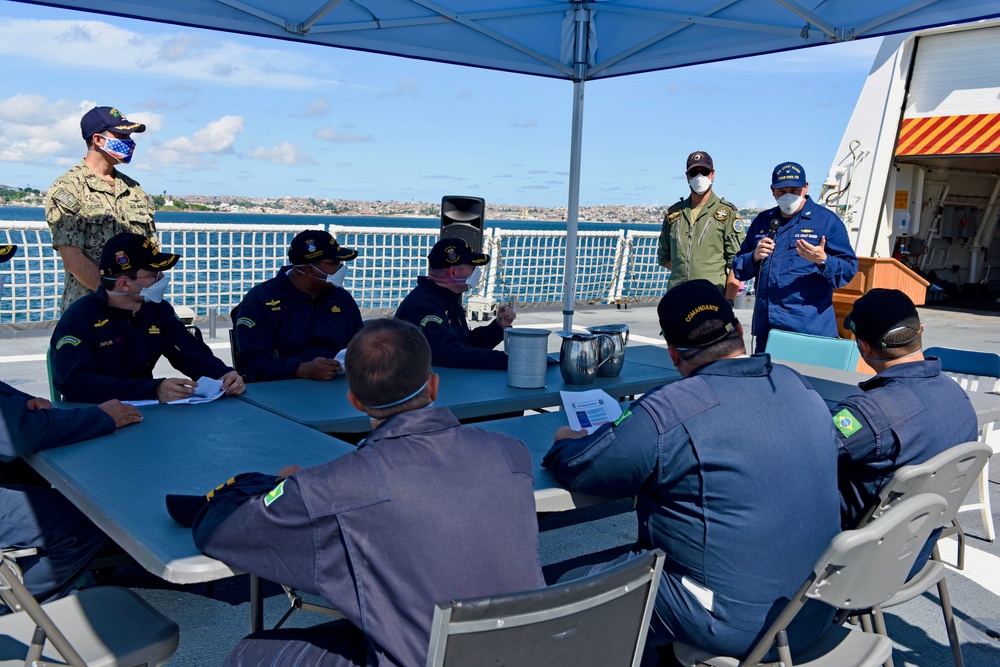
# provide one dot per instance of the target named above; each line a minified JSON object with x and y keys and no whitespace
{"x":700,"y":184}
{"x":790,"y":203}
{"x":337,"y":277}
{"x":154,"y":293}
{"x":473,"y":279}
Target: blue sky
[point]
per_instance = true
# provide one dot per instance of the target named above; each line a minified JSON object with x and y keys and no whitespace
{"x":231,"y":114}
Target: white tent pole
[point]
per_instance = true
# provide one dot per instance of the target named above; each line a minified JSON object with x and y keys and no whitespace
{"x":576,"y":143}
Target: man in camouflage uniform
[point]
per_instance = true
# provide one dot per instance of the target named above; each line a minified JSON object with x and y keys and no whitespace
{"x":93,"y":201}
{"x":701,"y":233}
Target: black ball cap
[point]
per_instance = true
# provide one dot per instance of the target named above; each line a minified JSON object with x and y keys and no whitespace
{"x":129,"y":252}
{"x":688,"y":307}
{"x":314,"y":245}
{"x":880,"y":311}
{"x":452,"y":251}
{"x":7,"y":252}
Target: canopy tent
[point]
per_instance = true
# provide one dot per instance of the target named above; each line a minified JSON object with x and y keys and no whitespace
{"x":578,"y":40}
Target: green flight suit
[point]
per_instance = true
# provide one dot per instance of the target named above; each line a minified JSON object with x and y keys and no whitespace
{"x":702,"y":248}
{"x":83,"y":211}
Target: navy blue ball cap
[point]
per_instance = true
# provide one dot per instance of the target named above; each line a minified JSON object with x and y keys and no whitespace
{"x":101,"y":119}
{"x":129,"y":252}
{"x":695,"y":314}
{"x":788,"y":175}
{"x":454,"y":252}
{"x":314,"y":245}
{"x":7,"y":252}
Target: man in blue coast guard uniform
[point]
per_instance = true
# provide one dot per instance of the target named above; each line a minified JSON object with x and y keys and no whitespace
{"x":799,"y":253}
{"x":435,"y":305}
{"x":32,"y":514}
{"x":293,"y":325}
{"x":742,"y":507}
{"x":107,"y":344}
{"x":425,"y":510}
{"x":908,"y":413}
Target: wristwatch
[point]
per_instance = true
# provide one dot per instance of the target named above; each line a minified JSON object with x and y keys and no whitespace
{"x":821,"y":266}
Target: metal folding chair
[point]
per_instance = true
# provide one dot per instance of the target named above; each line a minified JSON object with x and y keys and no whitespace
{"x":860,"y":569}
{"x":950,"y":475}
{"x":598,"y":620}
{"x":816,"y":350}
{"x":975,"y":371}
{"x":99,"y":627}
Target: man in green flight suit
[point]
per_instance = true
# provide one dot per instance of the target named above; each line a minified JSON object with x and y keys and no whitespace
{"x":701,"y":233}
{"x":94,"y":201}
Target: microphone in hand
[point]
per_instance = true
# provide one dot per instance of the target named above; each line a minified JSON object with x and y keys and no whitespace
{"x":773,"y":230}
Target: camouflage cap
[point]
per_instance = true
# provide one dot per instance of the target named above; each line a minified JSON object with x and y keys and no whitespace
{"x":99,"y":119}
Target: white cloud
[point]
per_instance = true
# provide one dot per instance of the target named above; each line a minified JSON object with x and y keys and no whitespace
{"x":317,"y":108}
{"x":197,"y":150}
{"x":407,"y":86}
{"x":284,"y":153}
{"x":36,"y":129}
{"x":525,"y":123}
{"x":99,"y":47}
{"x":330,"y":134}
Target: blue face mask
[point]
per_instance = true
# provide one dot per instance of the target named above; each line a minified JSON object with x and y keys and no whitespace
{"x":120,"y":149}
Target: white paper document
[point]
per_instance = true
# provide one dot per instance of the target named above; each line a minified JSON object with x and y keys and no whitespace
{"x":586,"y":410}
{"x":341,"y":356}
{"x":207,"y":390}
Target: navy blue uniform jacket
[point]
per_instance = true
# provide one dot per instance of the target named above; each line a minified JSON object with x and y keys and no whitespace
{"x":426,"y":510}
{"x":440,"y":315}
{"x":278,"y":327}
{"x":907,"y":414}
{"x":28,"y":431}
{"x":100,"y":352}
{"x":794,"y":294}
{"x":742,"y":506}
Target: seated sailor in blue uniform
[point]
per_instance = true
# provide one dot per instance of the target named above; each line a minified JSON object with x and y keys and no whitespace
{"x":32,"y":514}
{"x":908,"y":413}
{"x":741,"y":507}
{"x":382,"y":533}
{"x":107,"y":343}
{"x":293,"y":325}
{"x":435,"y":305}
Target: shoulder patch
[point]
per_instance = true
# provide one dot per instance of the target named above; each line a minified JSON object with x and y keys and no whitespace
{"x":721,"y":214}
{"x":246,"y":322}
{"x":846,"y":423}
{"x":274,"y":494}
{"x":431,"y":319}
{"x":66,"y":198}
{"x":738,"y":226}
{"x":67,"y":340}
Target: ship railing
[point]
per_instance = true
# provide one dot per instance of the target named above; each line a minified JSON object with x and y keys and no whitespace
{"x":221,"y":262}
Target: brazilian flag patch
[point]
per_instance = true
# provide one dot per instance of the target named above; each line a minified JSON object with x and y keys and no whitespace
{"x":846,"y":423}
{"x":274,"y":494}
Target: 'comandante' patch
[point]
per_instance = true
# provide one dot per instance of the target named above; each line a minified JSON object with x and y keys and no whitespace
{"x":67,"y":340}
{"x":246,"y":322}
{"x":431,"y":319}
{"x":846,"y":423}
{"x":274,"y":494}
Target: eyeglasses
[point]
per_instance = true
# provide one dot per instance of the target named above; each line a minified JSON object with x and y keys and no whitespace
{"x":698,"y":171}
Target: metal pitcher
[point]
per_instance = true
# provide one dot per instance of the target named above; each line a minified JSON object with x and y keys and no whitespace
{"x":618,"y":333}
{"x":527,"y":356}
{"x":582,"y":354}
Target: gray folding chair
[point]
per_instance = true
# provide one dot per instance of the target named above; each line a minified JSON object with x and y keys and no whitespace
{"x":950,"y":475}
{"x":975,"y":371}
{"x":860,"y":569}
{"x":99,"y":627}
{"x":597,"y":620}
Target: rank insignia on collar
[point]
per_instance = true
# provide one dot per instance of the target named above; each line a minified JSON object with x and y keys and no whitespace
{"x":335,"y":309}
{"x":154,"y":329}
